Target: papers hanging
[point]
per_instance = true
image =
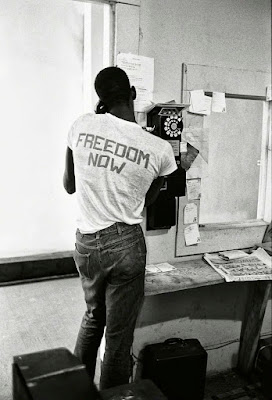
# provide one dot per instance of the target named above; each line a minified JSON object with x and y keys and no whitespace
{"x":190,"y":213}
{"x":183,"y":147}
{"x":193,"y":189}
{"x":191,"y":235}
{"x":199,"y":103}
{"x":199,"y":139}
{"x":218,"y":102}
{"x":140,"y":71}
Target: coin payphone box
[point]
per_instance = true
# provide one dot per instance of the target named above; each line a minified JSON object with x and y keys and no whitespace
{"x":165,"y":120}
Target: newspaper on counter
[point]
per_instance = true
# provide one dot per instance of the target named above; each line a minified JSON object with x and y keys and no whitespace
{"x":250,"y":267}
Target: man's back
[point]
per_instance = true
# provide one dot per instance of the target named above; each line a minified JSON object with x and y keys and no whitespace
{"x":115,"y":163}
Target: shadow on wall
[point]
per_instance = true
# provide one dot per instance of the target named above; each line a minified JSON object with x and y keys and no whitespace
{"x":224,"y":301}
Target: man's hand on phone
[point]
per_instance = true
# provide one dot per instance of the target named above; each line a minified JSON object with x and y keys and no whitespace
{"x":100,"y":108}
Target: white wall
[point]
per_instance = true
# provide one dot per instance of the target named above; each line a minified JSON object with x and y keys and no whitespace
{"x":232,"y":34}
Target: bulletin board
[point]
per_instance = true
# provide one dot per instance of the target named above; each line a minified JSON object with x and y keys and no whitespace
{"x":230,"y":168}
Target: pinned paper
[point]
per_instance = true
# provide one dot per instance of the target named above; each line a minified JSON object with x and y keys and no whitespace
{"x":190,"y":213}
{"x":218,"y":102}
{"x":199,"y":169}
{"x":140,"y":71}
{"x":193,"y":189}
{"x":183,"y":147}
{"x":191,"y":235}
{"x":187,"y":159}
{"x":199,"y":103}
{"x":199,"y":139}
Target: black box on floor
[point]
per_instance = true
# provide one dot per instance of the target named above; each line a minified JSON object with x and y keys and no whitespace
{"x":177,"y":367}
{"x":142,"y":390}
{"x":264,"y":365}
{"x":51,"y":374}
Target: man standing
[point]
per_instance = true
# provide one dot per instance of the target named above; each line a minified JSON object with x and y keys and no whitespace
{"x":115,"y":168}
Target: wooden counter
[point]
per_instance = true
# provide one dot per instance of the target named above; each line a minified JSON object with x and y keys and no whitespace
{"x":197,"y":273}
{"x":189,"y":274}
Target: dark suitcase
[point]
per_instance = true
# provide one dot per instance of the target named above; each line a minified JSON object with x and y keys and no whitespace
{"x":54,"y":374}
{"x":142,"y":390}
{"x":263,"y":366}
{"x":177,"y":367}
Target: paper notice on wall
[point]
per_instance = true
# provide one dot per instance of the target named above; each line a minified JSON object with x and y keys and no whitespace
{"x":140,"y":71}
{"x":218,"y":102}
{"x":191,"y":235}
{"x":190,"y":213}
{"x":187,"y":158}
{"x":199,"y":139}
{"x":199,"y":169}
{"x":183,"y":147}
{"x":193,"y":189}
{"x":199,"y":103}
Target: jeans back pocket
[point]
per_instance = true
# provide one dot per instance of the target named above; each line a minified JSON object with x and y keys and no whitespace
{"x":82,"y":260}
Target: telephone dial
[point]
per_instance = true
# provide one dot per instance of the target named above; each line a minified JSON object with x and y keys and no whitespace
{"x":165,"y":120}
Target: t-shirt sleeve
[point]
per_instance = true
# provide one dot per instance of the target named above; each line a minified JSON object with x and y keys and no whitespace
{"x":168,"y":163}
{"x":70,"y":137}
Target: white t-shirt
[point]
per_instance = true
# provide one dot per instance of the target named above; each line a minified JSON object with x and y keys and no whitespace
{"x":115,"y":163}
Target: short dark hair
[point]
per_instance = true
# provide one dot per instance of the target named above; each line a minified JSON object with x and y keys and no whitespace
{"x":112,"y":86}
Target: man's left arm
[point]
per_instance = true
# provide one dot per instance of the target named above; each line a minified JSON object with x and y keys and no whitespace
{"x":69,"y":173}
{"x":154,"y":191}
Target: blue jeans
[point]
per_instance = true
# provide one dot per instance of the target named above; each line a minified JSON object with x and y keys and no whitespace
{"x":111,"y":264}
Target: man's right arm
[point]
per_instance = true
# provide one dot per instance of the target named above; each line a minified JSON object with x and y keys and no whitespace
{"x":69,"y":173}
{"x":153,"y":191}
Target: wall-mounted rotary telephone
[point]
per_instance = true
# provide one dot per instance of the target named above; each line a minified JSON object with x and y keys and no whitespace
{"x":165,"y":120}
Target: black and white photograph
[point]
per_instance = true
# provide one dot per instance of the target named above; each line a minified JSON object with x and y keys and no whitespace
{"x":135,"y":207}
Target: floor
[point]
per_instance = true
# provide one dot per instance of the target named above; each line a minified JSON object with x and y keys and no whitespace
{"x":230,"y":386}
{"x":35,"y":317}
{"x":44,"y":315}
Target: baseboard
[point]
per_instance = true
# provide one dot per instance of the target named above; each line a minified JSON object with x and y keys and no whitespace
{"x":35,"y":270}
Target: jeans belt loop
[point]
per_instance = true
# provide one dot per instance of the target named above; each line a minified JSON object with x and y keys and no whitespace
{"x":97,"y":235}
{"x":119,"y":229}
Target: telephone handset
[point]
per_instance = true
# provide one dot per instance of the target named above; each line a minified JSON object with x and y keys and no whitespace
{"x":101,"y":108}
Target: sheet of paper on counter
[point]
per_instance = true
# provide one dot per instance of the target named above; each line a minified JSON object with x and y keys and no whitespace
{"x":193,"y":189}
{"x":232,"y":254}
{"x":140,"y":71}
{"x":190,"y":213}
{"x":158,"y":268}
{"x":218,"y":102}
{"x":191,"y":235}
{"x":199,"y":103}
